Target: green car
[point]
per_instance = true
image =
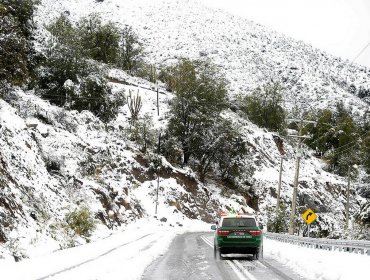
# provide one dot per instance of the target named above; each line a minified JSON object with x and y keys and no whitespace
{"x":237,"y":234}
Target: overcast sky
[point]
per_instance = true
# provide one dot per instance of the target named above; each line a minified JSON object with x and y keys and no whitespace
{"x":340,"y":27}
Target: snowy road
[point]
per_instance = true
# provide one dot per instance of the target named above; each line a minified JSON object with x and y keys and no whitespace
{"x":190,"y":256}
{"x":149,"y":249}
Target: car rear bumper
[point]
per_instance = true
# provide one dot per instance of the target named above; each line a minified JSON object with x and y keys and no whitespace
{"x":238,"y":250}
{"x":223,"y":242}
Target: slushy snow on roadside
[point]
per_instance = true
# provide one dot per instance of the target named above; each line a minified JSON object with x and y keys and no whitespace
{"x":319,"y":264}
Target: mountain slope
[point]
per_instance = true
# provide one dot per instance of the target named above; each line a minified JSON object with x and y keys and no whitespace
{"x":249,"y":54}
{"x":55,"y":160}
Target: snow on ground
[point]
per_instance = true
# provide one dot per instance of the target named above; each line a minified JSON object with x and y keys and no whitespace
{"x":318,"y":264}
{"x":123,"y":255}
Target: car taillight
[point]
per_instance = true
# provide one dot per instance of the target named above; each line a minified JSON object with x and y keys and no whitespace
{"x":223,"y":232}
{"x":255,"y":232}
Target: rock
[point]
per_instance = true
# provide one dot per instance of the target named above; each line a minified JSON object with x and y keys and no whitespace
{"x":31,"y":125}
{"x":111,"y":214}
{"x":3,"y":238}
{"x":163,"y":220}
{"x":33,"y":215}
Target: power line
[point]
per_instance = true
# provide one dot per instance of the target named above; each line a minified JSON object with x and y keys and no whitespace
{"x":354,"y":140}
{"x":49,"y":97}
{"x":361,"y":52}
{"x":341,"y":152}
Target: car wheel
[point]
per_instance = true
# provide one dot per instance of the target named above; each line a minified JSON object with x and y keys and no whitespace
{"x":219,"y":254}
{"x":257,"y":254}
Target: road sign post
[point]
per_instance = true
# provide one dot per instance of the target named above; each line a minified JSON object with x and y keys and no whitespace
{"x":309,"y":216}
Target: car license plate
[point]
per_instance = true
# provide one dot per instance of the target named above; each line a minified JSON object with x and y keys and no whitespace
{"x":238,"y":236}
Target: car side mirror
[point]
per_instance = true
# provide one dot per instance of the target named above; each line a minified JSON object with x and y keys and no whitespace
{"x":213,"y":227}
{"x":260,"y":226}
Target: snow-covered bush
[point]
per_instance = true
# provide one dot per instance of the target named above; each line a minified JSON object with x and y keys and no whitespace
{"x":147,"y":72}
{"x":141,"y":131}
{"x":81,"y":222}
{"x":278,"y":222}
{"x":171,"y":149}
{"x":96,"y":96}
{"x":154,"y":160}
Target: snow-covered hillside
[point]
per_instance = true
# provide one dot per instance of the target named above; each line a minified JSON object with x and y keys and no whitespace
{"x":53,"y":160}
{"x":248,"y":53}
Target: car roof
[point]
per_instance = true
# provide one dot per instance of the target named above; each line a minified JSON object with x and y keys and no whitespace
{"x":238,"y":216}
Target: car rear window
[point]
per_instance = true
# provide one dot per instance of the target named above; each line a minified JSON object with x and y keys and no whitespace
{"x":239,"y":222}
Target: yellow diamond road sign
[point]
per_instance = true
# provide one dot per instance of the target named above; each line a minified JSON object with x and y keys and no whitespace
{"x":309,"y":216}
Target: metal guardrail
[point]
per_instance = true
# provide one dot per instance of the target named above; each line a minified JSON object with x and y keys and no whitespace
{"x":352,"y":246}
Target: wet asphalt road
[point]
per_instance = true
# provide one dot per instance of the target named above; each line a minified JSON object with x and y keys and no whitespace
{"x":190,"y":257}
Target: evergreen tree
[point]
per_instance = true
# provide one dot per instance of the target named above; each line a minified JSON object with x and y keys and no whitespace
{"x":335,"y":137}
{"x":69,"y":78}
{"x":62,"y":73}
{"x":366,"y":152}
{"x":220,"y":145}
{"x":347,"y":146}
{"x":230,"y":153}
{"x":13,"y":52}
{"x":322,"y":134}
{"x":17,"y":55}
{"x":64,"y":33}
{"x":264,"y":107}
{"x":200,"y":95}
{"x":131,"y":51}
{"x":23,"y":11}
{"x":101,"y":42}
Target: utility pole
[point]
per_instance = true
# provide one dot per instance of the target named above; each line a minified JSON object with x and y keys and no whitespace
{"x":157,"y":100}
{"x":156,"y":200}
{"x":279,"y":187}
{"x":156,"y":81}
{"x":280,"y":146}
{"x":158,"y":168}
{"x":300,"y":137}
{"x":159,"y":145}
{"x":295,"y":189}
{"x":347,"y":206}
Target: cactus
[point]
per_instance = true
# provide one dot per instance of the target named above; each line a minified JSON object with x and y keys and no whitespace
{"x":134,"y":105}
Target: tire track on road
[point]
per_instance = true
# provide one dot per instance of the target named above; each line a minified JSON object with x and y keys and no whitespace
{"x":92,"y":259}
{"x":238,"y":267}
